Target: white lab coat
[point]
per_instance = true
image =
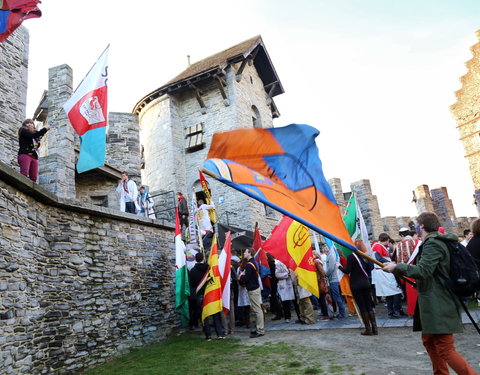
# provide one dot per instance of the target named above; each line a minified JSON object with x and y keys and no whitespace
{"x":130,"y":196}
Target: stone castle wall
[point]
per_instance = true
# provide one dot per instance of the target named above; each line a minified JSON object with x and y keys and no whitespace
{"x":13,"y":92}
{"x":78,"y":284}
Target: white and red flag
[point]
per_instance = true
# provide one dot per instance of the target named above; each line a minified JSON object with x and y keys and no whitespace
{"x":224,"y":266}
{"x":87,"y":111}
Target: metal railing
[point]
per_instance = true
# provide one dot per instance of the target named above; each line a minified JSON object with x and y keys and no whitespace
{"x":164,"y":205}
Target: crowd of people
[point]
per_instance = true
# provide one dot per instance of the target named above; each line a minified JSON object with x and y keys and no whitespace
{"x":419,"y":256}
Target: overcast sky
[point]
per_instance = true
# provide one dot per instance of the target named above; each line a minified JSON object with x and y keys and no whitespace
{"x":376,"y":77}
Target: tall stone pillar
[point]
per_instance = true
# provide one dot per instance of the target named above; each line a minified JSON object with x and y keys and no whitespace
{"x":123,"y":144}
{"x":336,"y":186}
{"x":443,"y":207}
{"x":423,"y":198}
{"x":368,"y":204}
{"x":57,"y":168}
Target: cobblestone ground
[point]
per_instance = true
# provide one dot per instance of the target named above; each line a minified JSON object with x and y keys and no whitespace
{"x":395,"y":351}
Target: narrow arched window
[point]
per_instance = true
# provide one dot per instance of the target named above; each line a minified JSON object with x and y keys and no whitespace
{"x":256,"y":120}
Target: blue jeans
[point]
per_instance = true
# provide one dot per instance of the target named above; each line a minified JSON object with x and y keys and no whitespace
{"x":337,"y":297}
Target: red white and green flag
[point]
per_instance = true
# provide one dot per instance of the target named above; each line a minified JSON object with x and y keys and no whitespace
{"x":182,"y":287}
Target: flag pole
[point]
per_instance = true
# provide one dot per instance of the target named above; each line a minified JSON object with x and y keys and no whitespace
{"x":95,"y":63}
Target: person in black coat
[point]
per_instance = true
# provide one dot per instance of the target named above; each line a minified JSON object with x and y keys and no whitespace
{"x":358,"y":270}
{"x":195,"y":276}
{"x":473,"y":245}
{"x":29,"y":142}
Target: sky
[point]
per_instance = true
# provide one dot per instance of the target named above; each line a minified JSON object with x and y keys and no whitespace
{"x":376,"y":77}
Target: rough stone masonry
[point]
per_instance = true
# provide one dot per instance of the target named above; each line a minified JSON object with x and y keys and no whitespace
{"x":78,"y":283}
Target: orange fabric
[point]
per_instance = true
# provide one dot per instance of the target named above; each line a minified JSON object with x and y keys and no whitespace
{"x":347,"y":292}
{"x":441,"y":350}
{"x":250,"y":148}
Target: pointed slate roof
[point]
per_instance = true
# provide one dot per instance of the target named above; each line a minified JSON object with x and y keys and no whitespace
{"x":215,"y":64}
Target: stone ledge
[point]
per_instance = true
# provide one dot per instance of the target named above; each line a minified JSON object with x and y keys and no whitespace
{"x":27,"y":186}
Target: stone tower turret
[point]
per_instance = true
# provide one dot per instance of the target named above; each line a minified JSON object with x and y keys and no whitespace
{"x":423,"y":199}
{"x":57,"y":166}
{"x":229,"y":90}
{"x":368,"y":204}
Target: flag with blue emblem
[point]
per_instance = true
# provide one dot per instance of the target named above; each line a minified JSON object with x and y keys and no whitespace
{"x":281,"y":168}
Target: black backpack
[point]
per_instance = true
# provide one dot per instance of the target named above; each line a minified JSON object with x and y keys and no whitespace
{"x":464,"y":275}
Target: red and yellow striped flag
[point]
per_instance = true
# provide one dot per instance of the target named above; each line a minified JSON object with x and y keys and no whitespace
{"x":212,"y":300}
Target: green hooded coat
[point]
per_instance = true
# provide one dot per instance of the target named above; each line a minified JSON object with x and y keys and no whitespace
{"x":439,"y":312}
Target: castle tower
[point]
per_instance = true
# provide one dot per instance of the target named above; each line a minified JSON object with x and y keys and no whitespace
{"x":57,"y":160}
{"x":466,"y":112}
{"x":368,"y":204}
{"x":229,"y":90}
{"x":423,"y":199}
{"x":13,"y":93}
{"x":443,"y":207}
{"x":336,"y":186}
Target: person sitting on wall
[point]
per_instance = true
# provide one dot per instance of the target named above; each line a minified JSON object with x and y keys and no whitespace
{"x":127,"y":189}
{"x":29,"y":143}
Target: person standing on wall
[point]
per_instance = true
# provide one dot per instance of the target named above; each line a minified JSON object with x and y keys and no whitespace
{"x":29,"y":142}
{"x":127,"y":189}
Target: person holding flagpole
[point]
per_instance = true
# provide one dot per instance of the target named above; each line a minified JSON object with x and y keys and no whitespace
{"x":29,"y":143}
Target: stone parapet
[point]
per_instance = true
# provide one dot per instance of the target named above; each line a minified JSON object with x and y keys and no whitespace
{"x":79,"y":284}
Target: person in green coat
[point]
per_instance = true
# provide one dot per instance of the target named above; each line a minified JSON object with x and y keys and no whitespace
{"x":437,"y":313}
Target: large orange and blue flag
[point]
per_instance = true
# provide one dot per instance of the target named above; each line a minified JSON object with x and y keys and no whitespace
{"x":281,"y":168}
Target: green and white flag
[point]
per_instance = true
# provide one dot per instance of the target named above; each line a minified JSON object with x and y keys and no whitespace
{"x":355,"y":225}
{"x":182,"y":287}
